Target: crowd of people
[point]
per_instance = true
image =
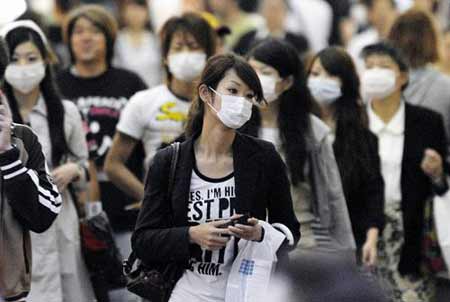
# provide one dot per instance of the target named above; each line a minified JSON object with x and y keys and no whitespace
{"x":324,"y":122}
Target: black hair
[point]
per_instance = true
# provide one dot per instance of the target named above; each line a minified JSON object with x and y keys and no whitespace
{"x":4,"y":58}
{"x":386,"y":49}
{"x":193,"y":24}
{"x":214,"y":71}
{"x":49,"y":92}
{"x":295,"y":104}
{"x":351,"y":143}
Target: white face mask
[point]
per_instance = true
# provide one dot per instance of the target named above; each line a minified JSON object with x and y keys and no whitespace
{"x":377,"y":83}
{"x":269,"y":84}
{"x":234,"y":112}
{"x":187,"y":65}
{"x":324,"y":90}
{"x":25,"y":78}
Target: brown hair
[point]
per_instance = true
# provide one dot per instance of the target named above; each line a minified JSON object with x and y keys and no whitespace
{"x":101,"y":18}
{"x":214,"y":71}
{"x":415,"y":34}
{"x":193,"y":24}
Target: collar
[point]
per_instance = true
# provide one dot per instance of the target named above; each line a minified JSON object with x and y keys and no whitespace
{"x":40,"y":107}
{"x":395,"y":126}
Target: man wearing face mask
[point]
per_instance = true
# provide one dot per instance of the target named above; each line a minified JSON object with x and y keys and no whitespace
{"x":156,"y":116}
{"x":412,"y":146}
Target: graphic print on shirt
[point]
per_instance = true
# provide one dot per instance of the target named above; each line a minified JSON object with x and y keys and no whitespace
{"x":101,"y":115}
{"x":211,"y":201}
{"x":166,"y":113}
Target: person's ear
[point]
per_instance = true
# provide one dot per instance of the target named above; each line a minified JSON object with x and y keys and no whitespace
{"x":403,"y":78}
{"x":205,"y":94}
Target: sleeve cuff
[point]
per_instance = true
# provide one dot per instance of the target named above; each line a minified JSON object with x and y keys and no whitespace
{"x":10,"y":164}
{"x":440,"y":187}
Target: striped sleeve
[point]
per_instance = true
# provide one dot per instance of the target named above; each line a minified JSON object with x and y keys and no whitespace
{"x":29,"y":189}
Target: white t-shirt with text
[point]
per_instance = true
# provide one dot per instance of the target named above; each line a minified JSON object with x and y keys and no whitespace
{"x":206,"y":279}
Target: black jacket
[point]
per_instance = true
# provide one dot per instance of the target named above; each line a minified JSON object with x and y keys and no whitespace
{"x":423,"y":129}
{"x":262,"y":187}
{"x":363,"y":188}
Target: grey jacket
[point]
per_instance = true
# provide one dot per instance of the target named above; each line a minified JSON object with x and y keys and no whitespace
{"x":329,"y":198}
{"x":29,"y":201}
{"x":430,"y":88}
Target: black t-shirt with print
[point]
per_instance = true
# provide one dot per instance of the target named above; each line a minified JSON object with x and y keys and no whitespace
{"x":100,"y":100}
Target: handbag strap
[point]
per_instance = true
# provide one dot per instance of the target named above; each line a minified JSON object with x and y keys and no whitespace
{"x":128,"y":263}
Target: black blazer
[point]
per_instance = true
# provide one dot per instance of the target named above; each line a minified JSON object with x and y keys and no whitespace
{"x":262,"y":188}
{"x":363,"y":187}
{"x":423,"y":129}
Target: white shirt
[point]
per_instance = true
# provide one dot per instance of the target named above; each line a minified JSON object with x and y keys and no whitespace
{"x":154,"y":116}
{"x":312,"y":18}
{"x":143,"y":59}
{"x":391,"y":137}
{"x":206,"y":280}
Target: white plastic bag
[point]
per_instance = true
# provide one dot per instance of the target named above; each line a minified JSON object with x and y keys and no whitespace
{"x":441,"y":206}
{"x":251,"y":271}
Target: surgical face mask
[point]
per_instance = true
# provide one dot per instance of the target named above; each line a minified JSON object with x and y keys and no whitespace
{"x":235,"y":110}
{"x":324,"y":90}
{"x":269,"y":84}
{"x":25,"y":78}
{"x":377,"y":83}
{"x":187,"y":65}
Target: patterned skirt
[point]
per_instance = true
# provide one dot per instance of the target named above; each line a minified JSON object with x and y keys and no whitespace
{"x":400,"y":288}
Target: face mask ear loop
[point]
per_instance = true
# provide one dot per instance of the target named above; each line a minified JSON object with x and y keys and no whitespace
{"x":211,"y":106}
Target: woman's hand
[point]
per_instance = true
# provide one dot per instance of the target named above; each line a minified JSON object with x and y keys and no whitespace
{"x":251,"y":232}
{"x":369,"y":250}
{"x":65,"y":174}
{"x":209,"y":236}
{"x":5,"y":124}
{"x":432,"y":165}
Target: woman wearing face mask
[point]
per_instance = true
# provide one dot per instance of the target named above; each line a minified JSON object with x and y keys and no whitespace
{"x":306,"y":146}
{"x":334,"y":84}
{"x":157,"y":115}
{"x":246,"y":175}
{"x":412,"y":146}
{"x":59,"y":273}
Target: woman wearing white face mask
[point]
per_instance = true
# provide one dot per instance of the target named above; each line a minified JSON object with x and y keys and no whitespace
{"x":219,"y":173}
{"x":57,"y":262}
{"x":412,"y":145}
{"x":305,"y":144}
{"x":334,"y":83}
{"x":156,"y":116}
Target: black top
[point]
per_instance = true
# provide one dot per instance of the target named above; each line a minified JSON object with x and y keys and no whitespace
{"x":262,"y":189}
{"x":364,"y":190}
{"x":247,"y":41}
{"x":100,"y":100}
{"x":423,"y":129}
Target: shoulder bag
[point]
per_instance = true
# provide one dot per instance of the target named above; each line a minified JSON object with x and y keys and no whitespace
{"x":155,"y":281}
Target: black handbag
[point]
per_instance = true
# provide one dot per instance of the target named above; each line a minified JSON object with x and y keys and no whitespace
{"x":155,"y":281}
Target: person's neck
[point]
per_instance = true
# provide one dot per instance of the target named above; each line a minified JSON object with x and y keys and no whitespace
{"x":276,"y":30}
{"x":27,"y":101}
{"x":91,"y":69}
{"x":215,"y":140}
{"x":183,"y":89}
{"x":384,"y":28}
{"x":269,"y":115}
{"x":386,"y":109}
{"x":328,"y":115}
{"x":444,"y":67}
{"x":232,"y":16}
